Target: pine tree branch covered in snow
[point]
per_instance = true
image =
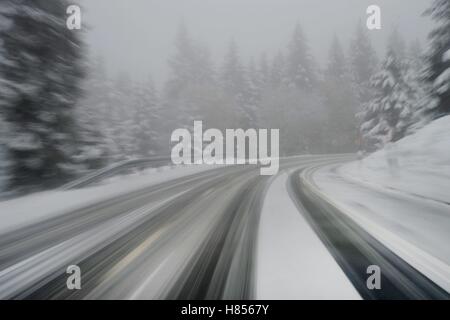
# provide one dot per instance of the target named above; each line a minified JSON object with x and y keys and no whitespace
{"x":40,"y":75}
{"x":438,"y":59}
{"x":387,"y":116}
{"x":414,"y":76}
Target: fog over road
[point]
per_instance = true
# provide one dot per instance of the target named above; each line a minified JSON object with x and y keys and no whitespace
{"x":209,"y":235}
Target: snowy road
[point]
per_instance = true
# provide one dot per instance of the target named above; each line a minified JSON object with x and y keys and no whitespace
{"x":224,"y":233}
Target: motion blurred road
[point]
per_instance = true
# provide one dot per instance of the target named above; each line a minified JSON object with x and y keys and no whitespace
{"x":204,"y":236}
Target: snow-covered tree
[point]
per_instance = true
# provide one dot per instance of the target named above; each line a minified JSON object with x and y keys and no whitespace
{"x":337,"y":66}
{"x":438,"y":59}
{"x":233,"y":79}
{"x":340,"y":100}
{"x":191,"y":71}
{"x":91,"y":116}
{"x":122,"y":109}
{"x":411,"y":62}
{"x":272,"y":109}
{"x":415,"y":52}
{"x":420,"y":88}
{"x":264,"y":71}
{"x":93,"y":150}
{"x":146,"y":120}
{"x":397,"y":43}
{"x":258,"y":78}
{"x":387,"y":116}
{"x":255,"y":83}
{"x":277,"y":73}
{"x":363,"y":63}
{"x":127,"y":114}
{"x":301,"y":67}
{"x":258,"y":82}
{"x":189,"y":65}
{"x":40,"y":74}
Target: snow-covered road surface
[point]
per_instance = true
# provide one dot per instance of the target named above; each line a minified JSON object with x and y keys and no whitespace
{"x":221,"y":233}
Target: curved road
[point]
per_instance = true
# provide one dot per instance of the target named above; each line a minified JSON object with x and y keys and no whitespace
{"x":193,"y":237}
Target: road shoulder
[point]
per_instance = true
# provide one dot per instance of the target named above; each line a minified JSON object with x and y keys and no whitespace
{"x":292,"y":262}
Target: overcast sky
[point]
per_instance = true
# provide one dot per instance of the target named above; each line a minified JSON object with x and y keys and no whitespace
{"x":137,"y":35}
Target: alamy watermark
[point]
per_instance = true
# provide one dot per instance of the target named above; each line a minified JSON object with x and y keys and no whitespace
{"x":373,"y":22}
{"x":374,"y":19}
{"x":240,"y":147}
{"x":74,"y":279}
{"x":73,"y":21}
{"x":374,"y":280}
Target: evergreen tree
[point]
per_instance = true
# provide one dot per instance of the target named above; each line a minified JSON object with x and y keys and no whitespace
{"x":438,"y":59}
{"x":234,"y":83}
{"x":93,"y":149}
{"x":340,"y":100}
{"x":191,"y":71}
{"x":411,"y":63}
{"x":304,"y":105}
{"x":387,"y":116}
{"x":41,"y":72}
{"x":264,"y":71}
{"x":92,"y":114}
{"x":271,"y":112}
{"x":300,"y":72}
{"x":337,"y":66}
{"x":180,"y":63}
{"x":190,"y":64}
{"x":397,"y":44}
{"x":421,"y":89}
{"x":363,"y":63}
{"x":122,"y":109}
{"x":277,"y":73}
{"x":145,"y":120}
{"x":255,"y":86}
{"x":415,"y":52}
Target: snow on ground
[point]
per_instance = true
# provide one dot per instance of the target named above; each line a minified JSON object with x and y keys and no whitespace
{"x":16,"y":277}
{"x":292,"y":262}
{"x":414,"y":229}
{"x":31,"y":209}
{"x":418,"y":164}
{"x":400,"y":195}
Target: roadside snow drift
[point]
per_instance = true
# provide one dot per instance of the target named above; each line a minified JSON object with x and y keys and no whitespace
{"x":401,"y":196}
{"x":418,"y":164}
{"x":32,"y":209}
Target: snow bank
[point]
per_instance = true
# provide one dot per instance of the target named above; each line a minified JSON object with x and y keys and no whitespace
{"x":414,"y":229}
{"x":33,"y":208}
{"x":400,"y":196}
{"x":418,"y":164}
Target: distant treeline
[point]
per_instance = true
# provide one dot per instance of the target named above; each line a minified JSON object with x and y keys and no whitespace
{"x":62,"y":114}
